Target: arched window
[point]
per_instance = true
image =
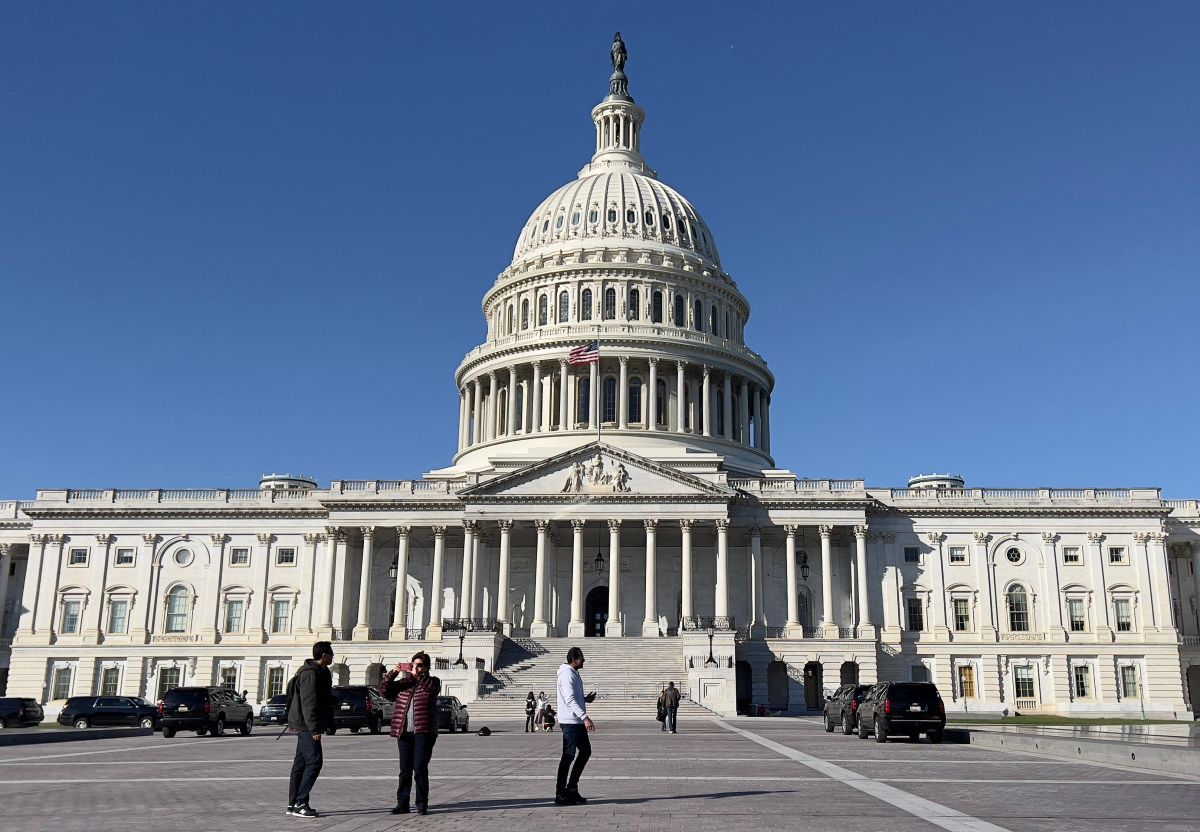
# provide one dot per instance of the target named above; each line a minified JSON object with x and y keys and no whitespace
{"x":712,"y":321}
{"x":177,"y":610}
{"x":609,"y":405}
{"x":543,"y":310}
{"x":564,"y":307}
{"x":698,"y":319}
{"x":660,"y":402}
{"x":656,"y":308}
{"x":509,"y":325}
{"x":610,"y":304}
{"x":1018,"y":609}
{"x":502,"y":413}
{"x":635,"y":305}
{"x":520,"y":408}
{"x":666,"y":221}
{"x":612,"y":214}
{"x":585,"y":305}
{"x":630,"y":216}
{"x":582,"y":410}
{"x":634,"y":397}
{"x":680,"y":320}
{"x":726,"y":324}
{"x":720,"y":414}
{"x":525,"y":314}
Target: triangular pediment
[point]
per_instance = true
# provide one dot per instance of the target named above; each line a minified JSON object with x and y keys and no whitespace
{"x":597,"y":471}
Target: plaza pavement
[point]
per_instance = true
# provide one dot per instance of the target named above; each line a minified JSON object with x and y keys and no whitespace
{"x":743,"y":774}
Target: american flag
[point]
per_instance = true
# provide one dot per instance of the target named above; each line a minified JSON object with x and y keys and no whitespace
{"x":589,"y":353}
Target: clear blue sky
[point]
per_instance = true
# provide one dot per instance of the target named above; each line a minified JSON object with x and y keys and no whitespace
{"x":243,"y":237}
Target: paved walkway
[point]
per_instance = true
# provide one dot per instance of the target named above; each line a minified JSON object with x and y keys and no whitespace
{"x":747,"y":774}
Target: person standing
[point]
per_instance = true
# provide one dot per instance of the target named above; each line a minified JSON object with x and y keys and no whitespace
{"x":575,"y":725}
{"x":530,"y":707}
{"x":669,"y":701}
{"x":310,"y":716}
{"x":415,"y":727}
{"x":539,"y":707}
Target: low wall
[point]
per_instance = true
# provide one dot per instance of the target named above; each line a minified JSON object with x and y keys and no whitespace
{"x":1166,"y":758}
{"x":37,"y":736}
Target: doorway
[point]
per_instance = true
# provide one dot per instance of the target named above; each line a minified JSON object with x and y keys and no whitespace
{"x":744,"y":686}
{"x":814,"y":696}
{"x":595,"y":612}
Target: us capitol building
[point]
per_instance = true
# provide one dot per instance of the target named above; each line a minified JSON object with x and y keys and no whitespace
{"x":622,"y":492}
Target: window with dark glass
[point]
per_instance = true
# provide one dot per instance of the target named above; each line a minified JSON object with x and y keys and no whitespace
{"x":720,"y":413}
{"x":1018,"y":609}
{"x":610,"y":304}
{"x":698,"y":319}
{"x":593,"y":215}
{"x":585,"y":305}
{"x":612,"y":214}
{"x":525,"y":313}
{"x":712,"y":321}
{"x":660,"y":402}
{"x":649,"y":219}
{"x":177,"y":610}
{"x":680,"y":319}
{"x":635,"y":305}
{"x":634,"y":414}
{"x":543,"y":310}
{"x":656,"y":308}
{"x":564,"y":307}
{"x":585,"y":397}
{"x":631,"y":216}
{"x":609,"y":404}
{"x":915,"y":614}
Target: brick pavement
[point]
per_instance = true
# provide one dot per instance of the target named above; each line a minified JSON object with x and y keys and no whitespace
{"x":708,"y":777}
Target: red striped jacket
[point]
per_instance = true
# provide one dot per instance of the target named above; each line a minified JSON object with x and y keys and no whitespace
{"x":420,"y":694}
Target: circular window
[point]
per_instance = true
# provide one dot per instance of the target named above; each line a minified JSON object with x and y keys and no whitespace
{"x":575,"y":218}
{"x":183,"y":557}
{"x":1013,"y":555}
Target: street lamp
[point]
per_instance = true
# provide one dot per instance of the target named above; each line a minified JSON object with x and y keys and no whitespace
{"x":710,"y":661}
{"x":598,"y":562}
{"x":461,"y":662}
{"x":803,"y":556}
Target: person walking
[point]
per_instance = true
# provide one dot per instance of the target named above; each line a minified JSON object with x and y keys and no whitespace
{"x":530,"y":707}
{"x":575,"y":725}
{"x":668,"y":700}
{"x":415,"y":727}
{"x":310,"y":716}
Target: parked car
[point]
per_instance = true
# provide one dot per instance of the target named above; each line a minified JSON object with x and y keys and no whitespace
{"x":842,"y":707}
{"x":273,"y":711}
{"x":452,"y":714}
{"x":361,"y":706}
{"x":205,"y":710}
{"x":88,"y":711}
{"x":16,"y":712}
{"x":911,"y":708}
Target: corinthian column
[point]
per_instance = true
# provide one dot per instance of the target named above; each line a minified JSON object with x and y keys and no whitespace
{"x":536,"y":395}
{"x":399,"y":631}
{"x":680,"y":397}
{"x":477,"y":434}
{"x":652,"y":397}
{"x":434,"y":631}
{"x":575,"y":627}
{"x":864,"y":597}
{"x":502,"y":588}
{"x":794,"y":628}
{"x":650,"y":622}
{"x":464,"y":595}
{"x":758,"y":616}
{"x":829,"y":628}
{"x":563,"y":403}
{"x":540,"y":628}
{"x":622,"y":394}
{"x":614,"y":626}
{"x":685,"y":530}
{"x":362,"y":630}
{"x":721,"y":602}
{"x":706,"y":398}
{"x":493,"y":395}
{"x":510,"y":402}
{"x":727,"y":406}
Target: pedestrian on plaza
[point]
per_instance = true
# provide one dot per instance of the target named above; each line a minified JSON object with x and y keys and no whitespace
{"x":575,"y":724}
{"x":668,"y":701}
{"x":310,"y":716}
{"x":530,"y":707}
{"x":539,"y":706}
{"x":415,"y":727}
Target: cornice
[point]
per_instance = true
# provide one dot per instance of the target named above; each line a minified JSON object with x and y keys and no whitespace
{"x":878,"y":509}
{"x":74,"y":513}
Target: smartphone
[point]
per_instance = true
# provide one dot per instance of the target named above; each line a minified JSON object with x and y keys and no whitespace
{"x":406,"y":667}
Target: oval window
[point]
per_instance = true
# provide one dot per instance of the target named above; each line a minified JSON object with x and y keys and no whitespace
{"x":558,"y":222}
{"x":631,"y":216}
{"x":575,"y":218}
{"x":593,"y":216}
{"x":546,"y":226}
{"x":612,"y":214}
{"x":649,"y":218}
{"x":666,"y":222}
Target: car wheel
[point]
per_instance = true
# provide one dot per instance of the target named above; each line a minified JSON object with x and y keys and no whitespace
{"x":218,"y":730}
{"x":880,"y":733}
{"x":862,"y":728}
{"x":935,"y":737}
{"x":81,"y":723}
{"x":466,"y":726}
{"x":333,"y":730}
{"x":377,"y":726}
{"x":450,"y":727}
{"x":146,"y":722}
{"x":168,"y":733}
{"x":201,"y":732}
{"x":847,"y":725}
{"x":3,"y":723}
{"x":828,"y":723}
{"x":355,"y":730}
{"x":247,"y":727}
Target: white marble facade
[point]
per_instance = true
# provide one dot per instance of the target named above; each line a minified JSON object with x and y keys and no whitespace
{"x":1079,"y":601}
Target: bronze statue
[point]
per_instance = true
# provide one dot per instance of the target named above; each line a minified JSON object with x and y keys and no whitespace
{"x":619,"y":55}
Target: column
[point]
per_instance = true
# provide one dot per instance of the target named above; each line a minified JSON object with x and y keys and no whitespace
{"x":502,"y":578}
{"x":1195,"y":584}
{"x":1053,"y":594}
{"x":48,"y":611}
{"x":758,"y":618}
{"x":987,"y":626}
{"x":766,"y":421}
{"x":759,"y":409}
{"x":362,"y":628}
{"x":474,"y":596}
{"x":464,"y":595}
{"x":1104,"y":631}
{"x":563,"y":422}
{"x":304,"y":625}
{"x":510,"y":417}
{"x":707,"y":407}
{"x":727,"y":406}
{"x":594,"y":395}
{"x":261,"y":555}
{"x":744,"y":412}
{"x":865,"y":627}
{"x":622,"y":393}
{"x":794,"y":628}
{"x":151,"y":541}
{"x":433,"y":632}
{"x":829,"y":628}
{"x":576,"y":628}
{"x":685,"y":530}
{"x":650,"y":622}
{"x":536,"y":394}
{"x":941,"y":631}
{"x":680,"y":397}
{"x":5,"y":559}
{"x":614,"y":626}
{"x":652,"y":397}
{"x":399,"y":631}
{"x":493,"y":394}
{"x":462,"y":417}
{"x":91,"y":632}
{"x":332,"y":535}
{"x":477,"y":429}
{"x":721,"y":601}
{"x":540,"y":628}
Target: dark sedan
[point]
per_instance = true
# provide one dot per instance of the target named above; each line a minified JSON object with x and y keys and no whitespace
{"x":452,"y":714}
{"x":274,"y":712}
{"x":88,"y":711}
{"x":16,"y":712}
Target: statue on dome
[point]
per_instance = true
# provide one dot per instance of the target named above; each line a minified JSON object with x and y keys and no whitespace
{"x":619,"y":54}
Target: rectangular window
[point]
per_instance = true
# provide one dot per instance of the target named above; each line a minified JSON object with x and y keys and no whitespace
{"x":229,"y":678}
{"x":916,"y":614}
{"x":168,"y":679}
{"x":285,"y":556}
{"x":962,"y":615}
{"x":78,"y":557}
{"x":239,"y":557}
{"x":912,"y":554}
{"x":1130,"y":688}
{"x":966,"y":681}
{"x":274,"y":681}
{"x":1124,"y":615}
{"x":110,"y":681}
{"x":235,"y":610}
{"x":124,"y":557}
{"x":1023,"y":682}
{"x":1116,"y":554}
{"x":1081,"y":678}
{"x":118,"y":616}
{"x":958,"y":554}
{"x":70,"y":617}
{"x":1072,"y":554}
{"x":1075,"y":615}
{"x":61,"y":688}
{"x":281,"y":616}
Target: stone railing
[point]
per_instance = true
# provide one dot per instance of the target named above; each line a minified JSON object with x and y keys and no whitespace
{"x":699,"y":623}
{"x":847,"y":632}
{"x":1065,"y":496}
{"x":1022,"y":636}
{"x":340,"y":634}
{"x":378,"y":634}
{"x":174,"y":638}
{"x":173,"y":495}
{"x":397,"y":487}
{"x":1186,"y":641}
{"x":1188,"y":507}
{"x":781,"y":486}
{"x":414,"y":633}
{"x":10,"y":509}
{"x":470,"y":625}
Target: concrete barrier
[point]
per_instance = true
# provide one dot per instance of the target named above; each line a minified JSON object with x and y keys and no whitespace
{"x":1165,"y":758}
{"x":37,"y":736}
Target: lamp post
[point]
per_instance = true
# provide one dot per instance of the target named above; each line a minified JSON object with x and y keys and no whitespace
{"x":461,"y":662}
{"x":803,"y":565}
{"x":710,"y":661}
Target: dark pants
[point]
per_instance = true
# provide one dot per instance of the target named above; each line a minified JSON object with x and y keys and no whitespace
{"x":669,"y":722}
{"x":577,"y":748}
{"x":529,"y":726}
{"x":305,"y":768}
{"x":415,"y":753}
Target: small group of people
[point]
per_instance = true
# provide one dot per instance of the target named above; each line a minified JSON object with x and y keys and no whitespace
{"x":539,"y":713}
{"x":415,"y":727}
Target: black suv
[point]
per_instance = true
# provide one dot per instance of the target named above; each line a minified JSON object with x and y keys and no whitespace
{"x":910,"y":708}
{"x":360,"y":706}
{"x":16,"y":712}
{"x":842,"y":708}
{"x":274,"y":711}
{"x":452,"y":714}
{"x":86,"y":711}
{"x":204,"y":710}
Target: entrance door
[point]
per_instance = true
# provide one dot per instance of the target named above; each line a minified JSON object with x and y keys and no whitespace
{"x":595,"y":611}
{"x":814,"y":696}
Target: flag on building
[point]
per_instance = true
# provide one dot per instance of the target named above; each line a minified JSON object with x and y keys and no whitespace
{"x":589,"y":353}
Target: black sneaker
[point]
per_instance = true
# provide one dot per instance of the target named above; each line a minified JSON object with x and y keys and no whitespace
{"x":290,"y":809}
{"x":422,"y":810}
{"x":401,"y":809}
{"x":576,"y":797}
{"x":563,"y":799}
{"x":304,"y":811}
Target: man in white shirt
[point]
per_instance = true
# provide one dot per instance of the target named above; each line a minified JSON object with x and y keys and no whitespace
{"x":575,"y":724}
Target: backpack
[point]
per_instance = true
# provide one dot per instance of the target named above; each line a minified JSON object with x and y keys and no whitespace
{"x":484,"y":732}
{"x":291,"y":691}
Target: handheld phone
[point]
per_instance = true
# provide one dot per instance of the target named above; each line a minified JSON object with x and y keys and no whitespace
{"x":406,"y":666}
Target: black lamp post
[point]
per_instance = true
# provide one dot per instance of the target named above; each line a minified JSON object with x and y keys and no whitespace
{"x":598,"y":563}
{"x":462,"y":636}
{"x":710,"y":661}
{"x":803,"y":565}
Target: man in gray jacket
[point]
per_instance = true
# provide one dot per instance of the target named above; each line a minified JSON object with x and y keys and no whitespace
{"x":310,"y":716}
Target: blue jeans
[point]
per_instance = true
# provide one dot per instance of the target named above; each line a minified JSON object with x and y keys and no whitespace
{"x":415,"y":752}
{"x":669,"y":722}
{"x":305,"y":768}
{"x":577,"y":749}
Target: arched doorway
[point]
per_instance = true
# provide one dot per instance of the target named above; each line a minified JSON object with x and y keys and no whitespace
{"x":340,"y":673}
{"x":814,"y":698}
{"x":777,"y":686}
{"x":744,"y":676}
{"x":595,"y":612}
{"x":849,"y":673}
{"x":374,"y":674}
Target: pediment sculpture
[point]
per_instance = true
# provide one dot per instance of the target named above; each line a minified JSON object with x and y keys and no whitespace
{"x":592,"y":478}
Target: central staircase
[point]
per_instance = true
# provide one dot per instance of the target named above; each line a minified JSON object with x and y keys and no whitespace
{"x":627,"y":675}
